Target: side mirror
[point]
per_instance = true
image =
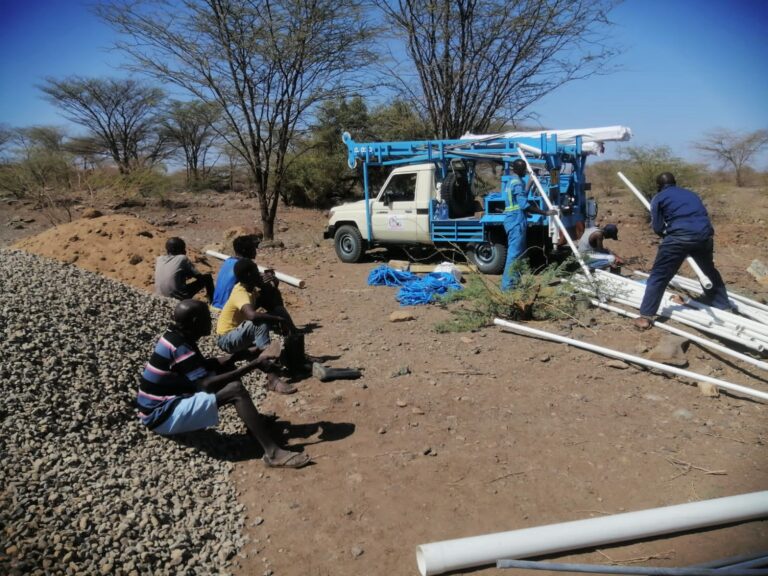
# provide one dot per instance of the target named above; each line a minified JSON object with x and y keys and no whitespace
{"x":387,"y":197}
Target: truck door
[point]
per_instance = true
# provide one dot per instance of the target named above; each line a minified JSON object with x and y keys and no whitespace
{"x":393,"y":213}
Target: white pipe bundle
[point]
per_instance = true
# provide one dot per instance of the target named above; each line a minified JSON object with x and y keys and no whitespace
{"x":714,"y":314}
{"x":705,"y":281}
{"x":692,"y":337}
{"x":738,"y":388}
{"x":742,"y":304}
{"x":735,"y":328}
{"x":292,"y":280}
{"x":628,"y":292}
{"x":452,"y":555}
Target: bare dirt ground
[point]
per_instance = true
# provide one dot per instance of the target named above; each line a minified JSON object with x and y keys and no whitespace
{"x":453,"y":435}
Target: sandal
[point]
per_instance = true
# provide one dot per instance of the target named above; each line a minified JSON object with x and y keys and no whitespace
{"x":277,"y":384}
{"x":642,"y":323}
{"x":292,"y":460}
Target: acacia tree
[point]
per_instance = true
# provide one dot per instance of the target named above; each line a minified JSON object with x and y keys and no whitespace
{"x":265,"y":63}
{"x":479,"y":61}
{"x":38,"y":164}
{"x":121,"y":113}
{"x":190,"y":127}
{"x":733,"y":149}
{"x":642,"y":164}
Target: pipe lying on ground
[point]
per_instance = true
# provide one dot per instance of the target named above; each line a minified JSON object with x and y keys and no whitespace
{"x":451,"y":555}
{"x":742,"y":304}
{"x":732,"y":329}
{"x":692,"y":337}
{"x":751,"y":392}
{"x":705,"y":281}
{"x":733,"y":560}
{"x":625,"y":570}
{"x":672,"y":314}
{"x":292,"y":280}
{"x":693,"y":285}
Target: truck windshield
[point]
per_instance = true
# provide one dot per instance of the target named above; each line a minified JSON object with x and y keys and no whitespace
{"x":401,"y":188}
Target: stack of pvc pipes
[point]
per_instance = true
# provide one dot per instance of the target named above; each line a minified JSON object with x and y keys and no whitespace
{"x":627,"y":292}
{"x":743,"y":305}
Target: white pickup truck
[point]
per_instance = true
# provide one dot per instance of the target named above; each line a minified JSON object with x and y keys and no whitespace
{"x":427,"y":198}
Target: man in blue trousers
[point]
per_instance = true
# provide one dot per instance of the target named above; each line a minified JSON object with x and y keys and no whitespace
{"x":678,"y":215}
{"x":516,"y":210}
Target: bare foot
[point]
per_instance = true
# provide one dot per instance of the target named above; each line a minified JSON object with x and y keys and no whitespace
{"x":277,"y":384}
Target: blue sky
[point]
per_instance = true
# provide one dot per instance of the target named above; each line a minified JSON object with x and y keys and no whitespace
{"x":688,"y":66}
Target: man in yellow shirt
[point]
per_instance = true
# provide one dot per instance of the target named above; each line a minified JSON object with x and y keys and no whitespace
{"x":241,"y":327}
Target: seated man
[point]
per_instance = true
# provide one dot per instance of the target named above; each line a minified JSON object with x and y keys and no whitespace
{"x":173,"y":271}
{"x":180,"y":390}
{"x":271,"y":299}
{"x":591,"y":247}
{"x":244,"y":247}
{"x":242,"y":328}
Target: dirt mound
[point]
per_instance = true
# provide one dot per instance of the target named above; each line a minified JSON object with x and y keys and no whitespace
{"x":121,"y":247}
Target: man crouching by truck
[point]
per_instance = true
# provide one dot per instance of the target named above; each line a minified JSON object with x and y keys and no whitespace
{"x":181,"y":391}
{"x":516,"y":210}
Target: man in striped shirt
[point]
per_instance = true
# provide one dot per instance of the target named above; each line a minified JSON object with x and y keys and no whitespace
{"x":180,"y":390}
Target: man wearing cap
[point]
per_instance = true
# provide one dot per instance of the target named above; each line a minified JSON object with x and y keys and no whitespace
{"x":678,"y":215}
{"x":591,"y":247}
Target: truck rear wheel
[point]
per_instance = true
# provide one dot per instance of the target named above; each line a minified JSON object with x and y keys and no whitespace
{"x":489,"y":257}
{"x":349,"y":244}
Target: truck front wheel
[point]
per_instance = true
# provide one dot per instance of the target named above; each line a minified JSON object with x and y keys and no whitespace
{"x":489,"y":257}
{"x":349,"y":244}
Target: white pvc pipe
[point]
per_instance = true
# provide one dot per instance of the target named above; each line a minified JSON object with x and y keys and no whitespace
{"x":292,"y":280}
{"x":744,"y":305}
{"x":693,"y":337}
{"x":634,"y":359}
{"x":556,"y":217}
{"x":692,"y":285}
{"x":705,"y":281}
{"x":715,"y":330}
{"x":451,"y":555}
{"x":714,"y":316}
{"x":531,"y":149}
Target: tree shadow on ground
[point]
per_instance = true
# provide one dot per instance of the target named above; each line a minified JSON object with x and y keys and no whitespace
{"x":241,"y":447}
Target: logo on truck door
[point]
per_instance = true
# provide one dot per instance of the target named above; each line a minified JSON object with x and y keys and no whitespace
{"x":394,"y":223}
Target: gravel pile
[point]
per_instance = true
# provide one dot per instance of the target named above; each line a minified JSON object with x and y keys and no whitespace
{"x":85,"y":489}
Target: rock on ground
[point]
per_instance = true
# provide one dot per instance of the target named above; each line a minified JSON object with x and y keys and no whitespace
{"x":85,"y":488}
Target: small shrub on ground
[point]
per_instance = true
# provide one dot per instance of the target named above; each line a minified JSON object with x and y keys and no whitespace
{"x":539,"y":295}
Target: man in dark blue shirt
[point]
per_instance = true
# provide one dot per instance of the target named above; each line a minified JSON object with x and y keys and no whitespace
{"x":680,"y":218}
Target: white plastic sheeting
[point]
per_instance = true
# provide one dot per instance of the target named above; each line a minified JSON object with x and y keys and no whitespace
{"x":592,"y":138}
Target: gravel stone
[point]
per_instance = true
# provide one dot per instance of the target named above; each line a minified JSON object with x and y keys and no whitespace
{"x":86,"y":488}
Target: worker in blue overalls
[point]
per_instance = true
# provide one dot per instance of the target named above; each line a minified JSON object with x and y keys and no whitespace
{"x":516,"y":209}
